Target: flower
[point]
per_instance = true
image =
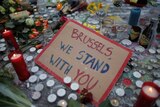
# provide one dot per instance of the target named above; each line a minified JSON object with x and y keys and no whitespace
{"x":12,"y":9}
{"x":85,"y":96}
{"x":29,"y":22}
{"x":38,"y":23}
{"x":2,"y":10}
{"x":32,"y":36}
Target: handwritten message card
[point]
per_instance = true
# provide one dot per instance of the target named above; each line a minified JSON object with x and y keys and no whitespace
{"x":92,"y":60}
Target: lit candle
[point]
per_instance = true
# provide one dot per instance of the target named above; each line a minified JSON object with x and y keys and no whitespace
{"x":9,"y":38}
{"x":62,"y":103}
{"x":148,"y":95}
{"x":19,"y":65}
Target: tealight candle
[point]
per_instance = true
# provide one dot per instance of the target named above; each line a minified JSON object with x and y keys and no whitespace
{"x":61,"y":92}
{"x":72,"y":96}
{"x":114,"y":102}
{"x":120,"y":92}
{"x":158,"y":51}
{"x":33,"y":79}
{"x":62,"y":103}
{"x":2,"y":45}
{"x":126,"y":42}
{"x":51,"y":98}
{"x":136,"y":74}
{"x":5,"y":58}
{"x":148,"y":95}
{"x":33,"y":49}
{"x":29,"y":58}
{"x":139,"y":49}
{"x":2,"y":49}
{"x":43,"y":77}
{"x":34,"y":69}
{"x":139,"y":83}
{"x":74,"y":86}
{"x":39,"y":51}
{"x":152,"y":51}
{"x":36,"y":95}
{"x":39,"y":87}
{"x":67,"y":80}
{"x":50,"y":83}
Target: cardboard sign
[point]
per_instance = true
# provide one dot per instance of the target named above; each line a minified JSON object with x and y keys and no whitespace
{"x":92,"y":60}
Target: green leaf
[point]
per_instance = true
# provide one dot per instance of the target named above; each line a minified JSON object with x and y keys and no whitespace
{"x":73,"y":103}
{"x":105,"y":103}
{"x":9,"y":90}
{"x":9,"y":25}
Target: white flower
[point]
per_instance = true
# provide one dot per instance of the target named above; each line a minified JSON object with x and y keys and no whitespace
{"x":29,"y":22}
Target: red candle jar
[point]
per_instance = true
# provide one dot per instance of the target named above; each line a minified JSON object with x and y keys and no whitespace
{"x":9,"y":38}
{"x":148,"y":95}
{"x":19,"y":65}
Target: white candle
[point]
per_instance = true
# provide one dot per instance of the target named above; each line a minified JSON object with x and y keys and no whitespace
{"x":43,"y":77}
{"x":33,"y":49}
{"x":150,"y":91}
{"x":33,"y":79}
{"x":39,"y":87}
{"x":72,"y":96}
{"x":74,"y":86}
{"x":67,"y":80}
{"x":36,"y":95}
{"x":51,"y":98}
{"x":34,"y":69}
{"x":50,"y":83}
{"x":61,"y":92}
{"x":29,"y":58}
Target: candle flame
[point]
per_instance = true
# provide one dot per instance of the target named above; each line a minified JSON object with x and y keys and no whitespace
{"x":63,"y":103}
{"x":5,"y":30}
{"x":150,"y":89}
{"x":14,"y":55}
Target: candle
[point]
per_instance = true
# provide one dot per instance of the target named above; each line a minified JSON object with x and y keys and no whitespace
{"x":36,"y":95}
{"x":148,"y":95}
{"x":11,"y":41}
{"x":39,"y":87}
{"x":67,"y":80}
{"x":61,"y":92}
{"x":72,"y":96}
{"x":33,"y":79}
{"x":52,"y":98}
{"x":134,"y":16}
{"x":114,"y":102}
{"x":42,"y":76}
{"x":19,"y":65}
{"x":50,"y":83}
{"x":75,"y":86}
{"x":62,"y":103}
